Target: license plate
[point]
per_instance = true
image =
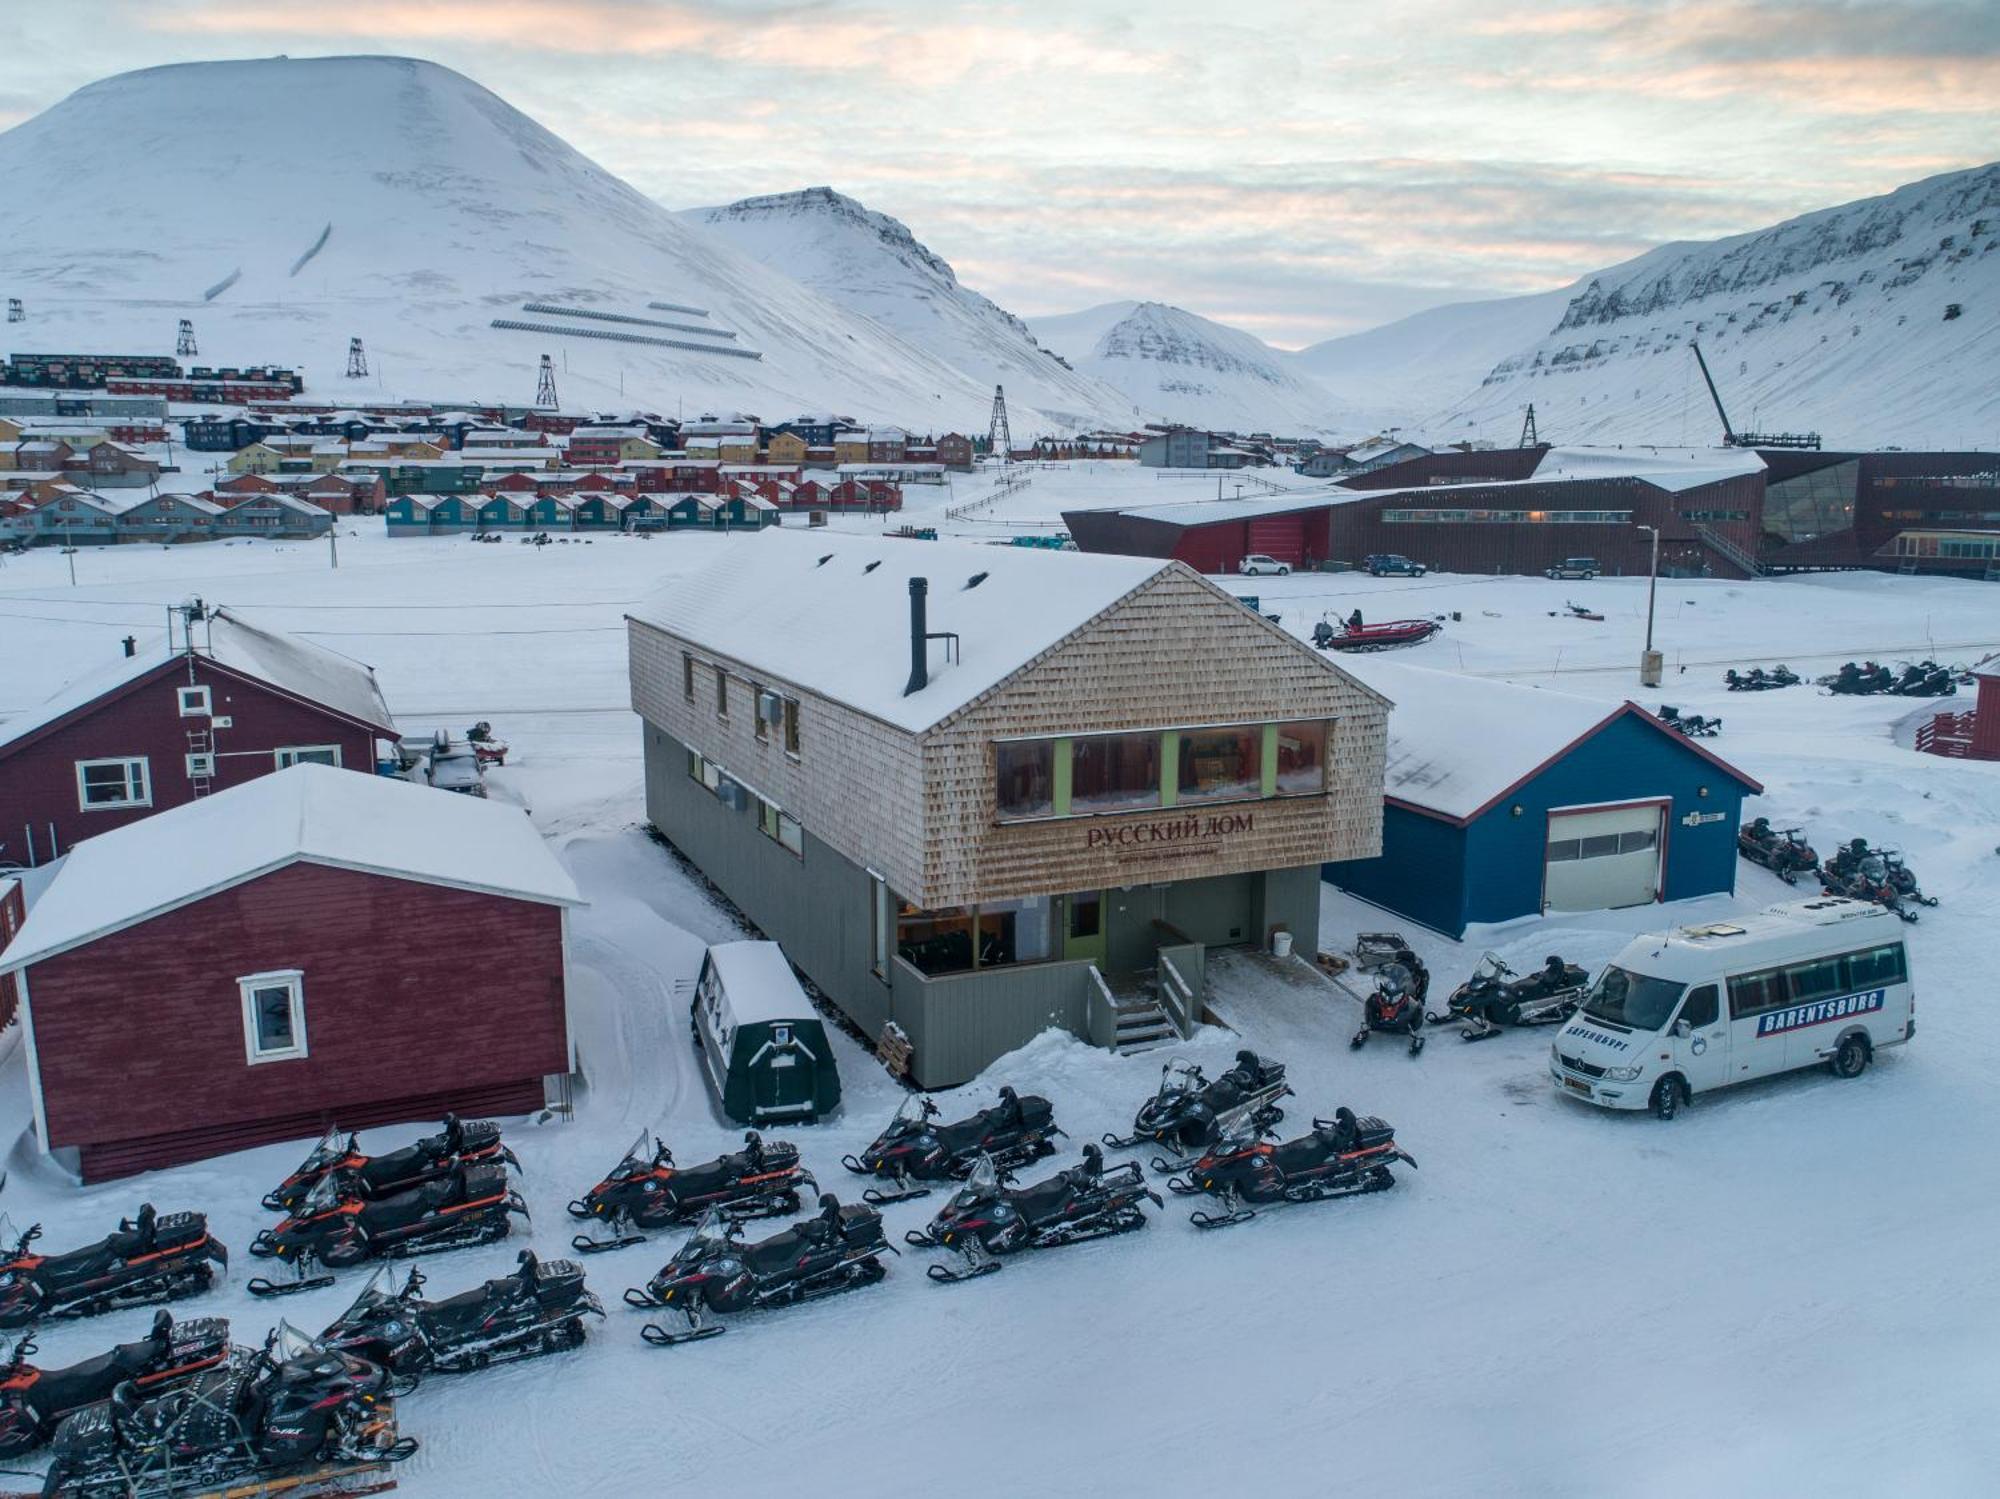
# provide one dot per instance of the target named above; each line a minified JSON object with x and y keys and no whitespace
{"x":1576,"y":1087}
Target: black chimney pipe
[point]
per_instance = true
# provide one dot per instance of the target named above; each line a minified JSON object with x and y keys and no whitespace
{"x":131,"y":644}
{"x":920,"y":675}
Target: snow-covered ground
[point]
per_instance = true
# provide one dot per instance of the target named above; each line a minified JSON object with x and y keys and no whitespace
{"x":1786,"y":1290}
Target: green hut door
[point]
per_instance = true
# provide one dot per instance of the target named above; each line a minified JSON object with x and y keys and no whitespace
{"x":1083,"y":927}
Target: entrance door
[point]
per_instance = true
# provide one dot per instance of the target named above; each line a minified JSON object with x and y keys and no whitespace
{"x":1131,"y":940}
{"x":1083,"y":927}
{"x":1599,"y":860}
{"x":1703,"y":1053}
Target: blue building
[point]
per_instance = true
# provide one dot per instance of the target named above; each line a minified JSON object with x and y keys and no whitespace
{"x":1505,"y":801}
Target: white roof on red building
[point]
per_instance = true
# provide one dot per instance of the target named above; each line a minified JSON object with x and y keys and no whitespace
{"x":314,"y":814}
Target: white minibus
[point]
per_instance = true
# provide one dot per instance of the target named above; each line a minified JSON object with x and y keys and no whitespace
{"x":1701,"y":1007}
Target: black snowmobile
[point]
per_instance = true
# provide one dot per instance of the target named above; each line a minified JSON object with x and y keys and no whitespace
{"x":151,"y":1258}
{"x":414,"y":1164}
{"x":1694,"y":725}
{"x":1925,"y":679}
{"x":1343,"y":1157}
{"x":1014,"y":1131}
{"x":289,"y":1411}
{"x":646,"y":1190}
{"x":1397,"y":1005}
{"x":1859,"y":681}
{"x":1865,"y":878}
{"x":837,"y":1249}
{"x":1902,"y":880}
{"x":1759,"y":680}
{"x":987,"y":1219}
{"x":538,"y":1309}
{"x":34,"y":1400}
{"x":340,"y":1223}
{"x":1783,"y":851}
{"x":1494,"y":997}
{"x":1183,"y":1114}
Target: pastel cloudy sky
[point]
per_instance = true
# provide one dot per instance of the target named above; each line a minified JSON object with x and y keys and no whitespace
{"x":1300,"y":168}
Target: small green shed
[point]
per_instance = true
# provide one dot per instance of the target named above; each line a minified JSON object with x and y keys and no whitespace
{"x":766,"y":1054}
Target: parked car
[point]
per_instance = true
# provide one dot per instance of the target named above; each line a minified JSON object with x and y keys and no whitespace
{"x":1257,"y":564}
{"x":1389,"y":565}
{"x":1574,"y":567}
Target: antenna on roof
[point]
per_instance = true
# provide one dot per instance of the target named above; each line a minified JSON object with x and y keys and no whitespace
{"x":189,"y":612}
{"x":1529,"y":438}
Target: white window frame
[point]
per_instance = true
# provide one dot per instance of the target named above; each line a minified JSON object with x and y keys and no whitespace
{"x":195,"y":702}
{"x":145,"y":784}
{"x":290,"y":979}
{"x":201,"y":764}
{"x":293,"y":751}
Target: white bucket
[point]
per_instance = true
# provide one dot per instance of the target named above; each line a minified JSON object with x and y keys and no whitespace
{"x":1281,"y":943}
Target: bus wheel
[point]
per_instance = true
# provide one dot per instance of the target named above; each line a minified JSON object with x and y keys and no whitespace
{"x":1850,"y":1058}
{"x":1669,"y":1093}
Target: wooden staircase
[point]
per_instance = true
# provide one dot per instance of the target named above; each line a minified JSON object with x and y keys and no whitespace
{"x":1143,"y":1023}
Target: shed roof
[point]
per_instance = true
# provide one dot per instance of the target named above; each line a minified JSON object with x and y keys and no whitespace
{"x":1458,"y":744}
{"x":832,"y":614}
{"x":759,"y":981}
{"x":314,"y":814}
{"x":282,"y":661}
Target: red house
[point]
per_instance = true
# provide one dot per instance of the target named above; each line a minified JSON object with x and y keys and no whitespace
{"x":155,"y":731}
{"x":13,"y":911}
{"x":310,"y":949}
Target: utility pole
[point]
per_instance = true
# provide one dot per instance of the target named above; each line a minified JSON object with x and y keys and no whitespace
{"x":333,"y":542}
{"x":1650,"y":662}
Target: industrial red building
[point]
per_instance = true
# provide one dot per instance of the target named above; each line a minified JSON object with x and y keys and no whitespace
{"x":153,"y":731}
{"x":1501,"y":511}
{"x":310,"y":949}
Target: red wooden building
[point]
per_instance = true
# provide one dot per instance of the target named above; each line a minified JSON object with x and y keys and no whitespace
{"x":154,"y":731}
{"x":13,"y":911}
{"x":310,"y":949}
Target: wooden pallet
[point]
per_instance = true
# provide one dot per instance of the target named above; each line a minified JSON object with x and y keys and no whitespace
{"x":893,"y":1050}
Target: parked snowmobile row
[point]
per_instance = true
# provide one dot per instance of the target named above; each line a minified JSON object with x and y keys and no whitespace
{"x":913,"y":1150}
{"x":34,"y":1400}
{"x":1342,"y":1157}
{"x":646,"y":1190}
{"x":538,"y":1309}
{"x":1874,"y":874}
{"x":151,"y":1258}
{"x":1187,"y":1112}
{"x":988,"y":1218}
{"x":1915,"y":679}
{"x":1758,"y":680}
{"x":421,"y":1161}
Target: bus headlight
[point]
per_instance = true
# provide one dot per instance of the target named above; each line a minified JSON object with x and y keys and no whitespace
{"x":1623,"y":1074}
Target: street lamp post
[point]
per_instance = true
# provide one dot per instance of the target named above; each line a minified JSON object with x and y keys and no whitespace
{"x":1649,"y":661}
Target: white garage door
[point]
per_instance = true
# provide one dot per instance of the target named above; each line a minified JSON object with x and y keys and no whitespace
{"x":1599,"y":860}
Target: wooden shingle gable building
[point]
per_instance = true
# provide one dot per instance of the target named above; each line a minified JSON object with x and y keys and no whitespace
{"x":978,"y":792}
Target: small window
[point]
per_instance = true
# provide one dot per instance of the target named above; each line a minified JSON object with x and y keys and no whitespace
{"x":1703,"y":1007}
{"x":791,"y":836}
{"x":687,"y":676}
{"x":792,"y":726}
{"x":1754,"y":993}
{"x":108,"y":784}
{"x":274,"y":1016}
{"x":309,"y":754}
{"x":194,"y":701}
{"x":694,"y":762}
{"x":766,"y":704}
{"x":1876,"y":967}
{"x":200,"y":767}
{"x":721,"y":693}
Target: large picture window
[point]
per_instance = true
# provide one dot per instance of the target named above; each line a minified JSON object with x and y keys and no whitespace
{"x":1115,"y":773}
{"x":1025,"y":772}
{"x":274,"y":1015}
{"x":1221,"y":765}
{"x":1302,"y":757}
{"x":105,"y":784}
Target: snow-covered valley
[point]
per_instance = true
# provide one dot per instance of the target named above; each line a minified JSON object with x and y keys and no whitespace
{"x":1784,"y":1290}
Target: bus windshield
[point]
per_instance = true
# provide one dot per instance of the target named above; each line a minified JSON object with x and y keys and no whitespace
{"x":1625,"y":998}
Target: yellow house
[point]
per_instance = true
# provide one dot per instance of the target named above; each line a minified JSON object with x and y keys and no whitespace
{"x":850,"y":447}
{"x":10,"y":430}
{"x":785,"y":447}
{"x":636,"y":449}
{"x":410,"y":447}
{"x":7,"y":459}
{"x":738,"y":449}
{"x":258,"y":458}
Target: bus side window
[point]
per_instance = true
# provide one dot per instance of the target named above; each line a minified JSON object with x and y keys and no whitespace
{"x":1876,"y":967}
{"x":1754,"y":993}
{"x":1818,"y":978}
{"x":1703,"y":1007}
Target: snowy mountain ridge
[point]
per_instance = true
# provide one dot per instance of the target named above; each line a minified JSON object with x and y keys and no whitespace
{"x":871,"y":264}
{"x":1175,"y":365}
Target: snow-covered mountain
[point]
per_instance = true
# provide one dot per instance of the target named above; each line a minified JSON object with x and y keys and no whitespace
{"x":870,"y":263}
{"x":1873,"y":323}
{"x":1174,"y":366}
{"x":400,"y":202}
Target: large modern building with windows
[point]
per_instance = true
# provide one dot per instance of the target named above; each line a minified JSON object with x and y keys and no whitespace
{"x":1917,"y":512}
{"x":1510,"y":510}
{"x":981,"y":791}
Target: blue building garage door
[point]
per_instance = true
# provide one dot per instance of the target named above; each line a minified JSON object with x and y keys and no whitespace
{"x":1603,"y":858}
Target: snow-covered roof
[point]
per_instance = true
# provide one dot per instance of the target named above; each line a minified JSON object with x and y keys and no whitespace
{"x":284,"y":661}
{"x":1671,"y":469}
{"x":1204,"y":512}
{"x":1457,"y":743}
{"x":840,"y":626}
{"x":313,"y":813}
{"x":760,"y":984}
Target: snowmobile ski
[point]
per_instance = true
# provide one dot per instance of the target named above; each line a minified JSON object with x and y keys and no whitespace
{"x":262,"y":1286}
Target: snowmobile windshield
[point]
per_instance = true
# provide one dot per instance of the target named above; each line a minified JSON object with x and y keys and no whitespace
{"x":1180,"y":1077}
{"x":288,"y":1343}
{"x":9,"y":1235}
{"x":1874,"y":870}
{"x":910,"y":1116}
{"x":323,"y":1198}
{"x":709,"y":1235}
{"x":984,"y":1182}
{"x":637,"y":1159}
{"x":332,"y":1146}
{"x":384,"y":1285}
{"x":1622,"y":997}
